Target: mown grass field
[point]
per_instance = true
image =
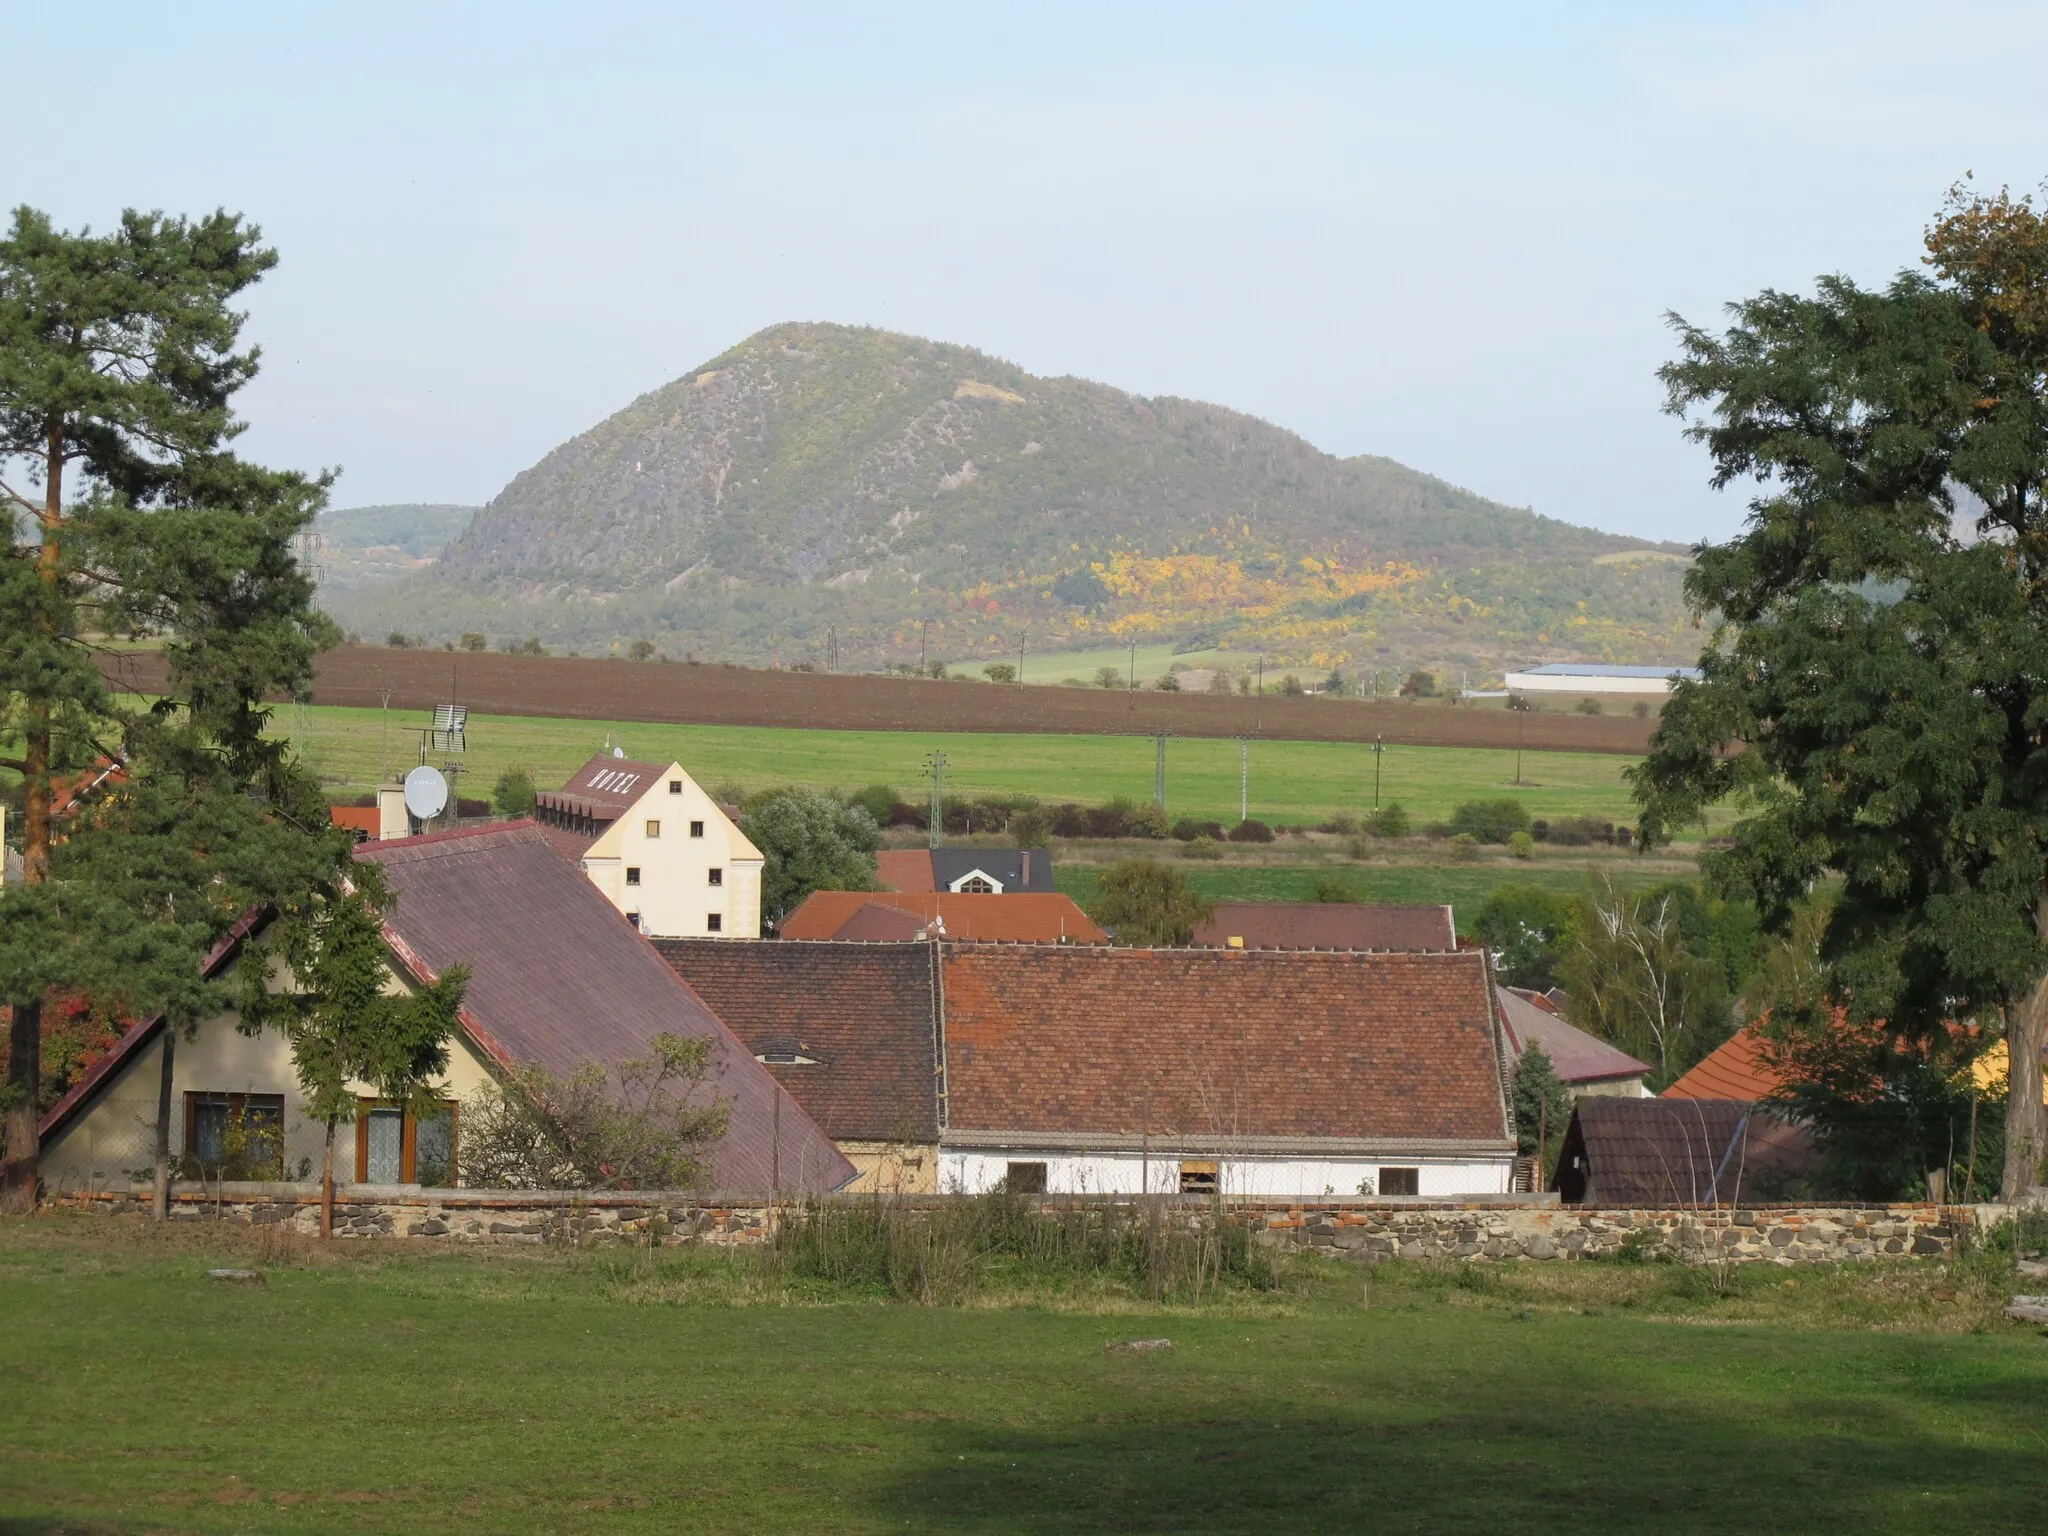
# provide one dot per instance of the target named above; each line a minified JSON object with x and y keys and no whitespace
{"x":383,"y":1390}
{"x":1290,"y":782}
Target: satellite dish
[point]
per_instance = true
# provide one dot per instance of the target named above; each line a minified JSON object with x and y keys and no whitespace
{"x":618,"y":751}
{"x":426,"y":793}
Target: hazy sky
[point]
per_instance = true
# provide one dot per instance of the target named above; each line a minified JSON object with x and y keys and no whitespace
{"x":1448,"y":234}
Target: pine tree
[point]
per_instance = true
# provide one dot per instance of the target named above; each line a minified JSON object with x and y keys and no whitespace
{"x":118,"y":366}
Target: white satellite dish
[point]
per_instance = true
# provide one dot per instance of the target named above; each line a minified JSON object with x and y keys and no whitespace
{"x":426,"y":793}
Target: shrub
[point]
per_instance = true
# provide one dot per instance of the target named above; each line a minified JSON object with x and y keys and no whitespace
{"x":397,"y":641}
{"x":1290,"y":687}
{"x":1420,"y":685}
{"x":472,"y":641}
{"x":1187,"y":829}
{"x":1031,"y":827}
{"x":1168,"y":684}
{"x":640,"y":650}
{"x":513,"y":793}
{"x":1330,"y":889}
{"x":1108,"y":677}
{"x":1640,"y":709}
{"x":1203,"y":848}
{"x":1343,"y":824}
{"x":1145,"y":821}
{"x":1490,"y":821}
{"x":1578,"y":831}
{"x":1591,"y":707}
{"x":1141,"y":901}
{"x":1251,"y":830}
{"x":1390,"y":820}
{"x":1000,"y":672}
{"x":1464,"y":847}
{"x":878,"y":800}
{"x":1522,"y":846}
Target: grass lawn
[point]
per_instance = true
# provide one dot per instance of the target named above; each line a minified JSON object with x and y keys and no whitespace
{"x":1290,"y":781}
{"x":376,"y":1390}
{"x":1152,"y":661}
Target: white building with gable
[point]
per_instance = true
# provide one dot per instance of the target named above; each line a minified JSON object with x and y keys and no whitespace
{"x":660,"y":848}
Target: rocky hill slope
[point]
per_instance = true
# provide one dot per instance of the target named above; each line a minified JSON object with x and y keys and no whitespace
{"x":823,"y":479}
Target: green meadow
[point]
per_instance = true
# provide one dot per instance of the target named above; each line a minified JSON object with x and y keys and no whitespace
{"x":372,"y":1389}
{"x":1292,"y":782}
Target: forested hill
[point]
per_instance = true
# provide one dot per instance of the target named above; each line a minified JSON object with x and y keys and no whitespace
{"x":821,"y":475}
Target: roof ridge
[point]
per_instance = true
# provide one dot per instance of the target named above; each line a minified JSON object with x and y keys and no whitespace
{"x":450,"y":835}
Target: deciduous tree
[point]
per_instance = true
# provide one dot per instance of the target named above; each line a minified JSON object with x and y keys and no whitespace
{"x":810,"y":842}
{"x":1875,"y":693}
{"x":1143,"y":902}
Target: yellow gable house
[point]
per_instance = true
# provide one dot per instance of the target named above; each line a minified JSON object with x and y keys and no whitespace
{"x":660,"y":848}
{"x":556,"y":980}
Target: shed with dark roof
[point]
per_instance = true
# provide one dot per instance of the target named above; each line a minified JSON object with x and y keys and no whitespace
{"x":850,"y":1030}
{"x":1679,"y":1152}
{"x":1253,"y":1072}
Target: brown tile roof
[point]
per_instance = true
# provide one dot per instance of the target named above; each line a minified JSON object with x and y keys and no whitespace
{"x":905,"y":869}
{"x":1032,"y":917}
{"x":1735,"y":1070}
{"x":862,"y":1015}
{"x":874,"y":923}
{"x":1577,"y":1056}
{"x":1661,"y":1152}
{"x":571,"y":845}
{"x":1326,"y":925}
{"x":603,"y":789}
{"x":1256,"y":1044}
{"x":560,"y":978}
{"x":364,"y":820}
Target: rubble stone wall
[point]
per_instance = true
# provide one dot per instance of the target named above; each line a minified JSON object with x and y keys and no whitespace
{"x":1507,"y":1228}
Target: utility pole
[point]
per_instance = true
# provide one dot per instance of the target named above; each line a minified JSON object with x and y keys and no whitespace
{"x":1134,"y":662}
{"x":1378,"y":751}
{"x":1020,"y":655}
{"x":1159,"y":773}
{"x":832,"y":648}
{"x":923,"y":629}
{"x":1521,"y":709}
{"x":1244,"y":777}
{"x":935,"y":766}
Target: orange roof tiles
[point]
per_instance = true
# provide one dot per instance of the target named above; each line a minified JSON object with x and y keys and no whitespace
{"x":1030,"y":917}
{"x":905,"y":869}
{"x":1735,"y":1070}
{"x":1327,"y":925}
{"x":1099,"y":1041}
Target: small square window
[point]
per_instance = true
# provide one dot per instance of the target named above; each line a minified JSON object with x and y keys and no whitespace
{"x":696,"y":829}
{"x":717,"y":876}
{"x":714,"y":922}
{"x":1198,"y":1177}
{"x":1025,"y":1178}
{"x":654,"y":829}
{"x":1400,"y":1181}
{"x":632,"y":874}
{"x":675,"y":786}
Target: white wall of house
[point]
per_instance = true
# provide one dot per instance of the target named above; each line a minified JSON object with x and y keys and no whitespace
{"x":977,"y":1170}
{"x":1588,"y":683}
{"x":114,"y":1137}
{"x":648,"y":863}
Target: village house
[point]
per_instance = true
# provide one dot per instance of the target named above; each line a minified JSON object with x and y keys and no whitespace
{"x":1584,"y":1063}
{"x":1326,"y":925}
{"x":850,"y":1029}
{"x":1029,"y":917}
{"x":966,"y":871}
{"x":661,"y":849}
{"x":556,"y":980}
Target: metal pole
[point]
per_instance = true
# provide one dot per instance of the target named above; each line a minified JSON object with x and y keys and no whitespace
{"x":923,"y":630}
{"x":937,"y":819}
{"x":1378,"y":752}
{"x":1020,"y":656}
{"x":1159,"y":774}
{"x":1244,"y":778}
{"x":1134,"y":663}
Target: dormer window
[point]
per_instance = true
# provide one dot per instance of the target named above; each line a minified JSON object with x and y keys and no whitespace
{"x":976,"y":885}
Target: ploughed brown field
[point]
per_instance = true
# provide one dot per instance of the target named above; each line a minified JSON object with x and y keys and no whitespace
{"x":593,"y":688}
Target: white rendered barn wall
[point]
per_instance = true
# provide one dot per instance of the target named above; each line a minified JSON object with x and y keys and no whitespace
{"x":1120,"y":1173}
{"x":1550,"y":682}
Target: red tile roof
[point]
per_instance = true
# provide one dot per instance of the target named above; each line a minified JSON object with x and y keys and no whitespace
{"x":603,"y":789}
{"x":1327,"y":925}
{"x":1735,"y":1070}
{"x":366,"y":819}
{"x":863,"y":1018}
{"x":1579,"y":1058}
{"x":560,"y":978}
{"x":905,"y":869}
{"x":1085,"y":1041}
{"x":1030,"y":917}
{"x":875,"y":923}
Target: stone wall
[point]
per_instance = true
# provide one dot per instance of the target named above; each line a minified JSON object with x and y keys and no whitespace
{"x":1504,"y":1228}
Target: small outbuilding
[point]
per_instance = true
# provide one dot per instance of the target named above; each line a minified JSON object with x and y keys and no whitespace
{"x":1680,"y":1152}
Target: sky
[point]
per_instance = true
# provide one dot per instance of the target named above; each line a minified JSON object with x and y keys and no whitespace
{"x":1448,"y":234}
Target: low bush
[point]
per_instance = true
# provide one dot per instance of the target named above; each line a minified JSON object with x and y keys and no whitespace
{"x":1188,"y":830}
{"x":1251,"y":830}
{"x":1573,"y":831}
{"x":1389,"y":820}
{"x":1464,"y":846}
{"x":1343,"y":824}
{"x":1490,"y":821}
{"x":1203,"y":848}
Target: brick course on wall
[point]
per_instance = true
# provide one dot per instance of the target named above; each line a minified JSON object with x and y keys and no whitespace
{"x":1368,"y":1231}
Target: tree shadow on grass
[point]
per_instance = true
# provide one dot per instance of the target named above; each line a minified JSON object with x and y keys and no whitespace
{"x":1513,"y":1468}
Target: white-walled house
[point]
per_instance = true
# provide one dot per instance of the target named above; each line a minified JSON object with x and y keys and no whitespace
{"x":556,"y":980}
{"x":660,"y":848}
{"x":1086,"y":1070}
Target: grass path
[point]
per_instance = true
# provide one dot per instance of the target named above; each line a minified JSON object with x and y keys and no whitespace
{"x":463,"y":1393}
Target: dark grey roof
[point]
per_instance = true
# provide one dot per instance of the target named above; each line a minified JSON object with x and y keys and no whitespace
{"x":1663,"y":1152}
{"x":1018,"y":869}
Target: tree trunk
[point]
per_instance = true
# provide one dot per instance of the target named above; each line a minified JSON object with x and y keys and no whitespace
{"x":2025,"y":1121}
{"x":23,"y":1175}
{"x":160,"y":1199}
{"x":327,"y":1184}
{"x":24,"y":1077}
